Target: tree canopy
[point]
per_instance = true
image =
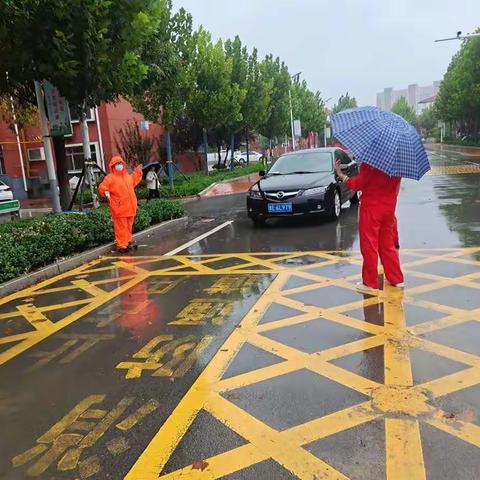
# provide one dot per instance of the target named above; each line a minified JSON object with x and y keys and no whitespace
{"x":402,"y":107}
{"x":99,"y":50}
{"x":309,"y":107}
{"x":458,"y":101}
{"x":89,"y":49}
{"x":344,"y":103}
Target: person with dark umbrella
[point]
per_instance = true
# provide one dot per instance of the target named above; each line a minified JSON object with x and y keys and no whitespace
{"x":152,"y":184}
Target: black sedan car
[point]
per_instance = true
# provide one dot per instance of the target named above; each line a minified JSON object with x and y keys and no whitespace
{"x":302,"y":183}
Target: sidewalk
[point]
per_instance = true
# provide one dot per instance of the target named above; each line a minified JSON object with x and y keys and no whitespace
{"x":445,"y":147}
{"x":231,"y":187}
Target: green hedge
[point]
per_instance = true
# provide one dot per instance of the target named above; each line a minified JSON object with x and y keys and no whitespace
{"x":32,"y":243}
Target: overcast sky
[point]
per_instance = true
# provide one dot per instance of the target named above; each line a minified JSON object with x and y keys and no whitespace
{"x":359,"y":46}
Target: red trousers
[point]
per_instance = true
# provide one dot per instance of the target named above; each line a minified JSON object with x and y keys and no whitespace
{"x":122,"y":226}
{"x":378,"y":234}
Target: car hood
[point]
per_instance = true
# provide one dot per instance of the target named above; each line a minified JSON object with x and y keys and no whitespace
{"x":295,"y":182}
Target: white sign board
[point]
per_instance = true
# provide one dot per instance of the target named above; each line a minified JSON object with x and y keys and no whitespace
{"x":297,"y":128}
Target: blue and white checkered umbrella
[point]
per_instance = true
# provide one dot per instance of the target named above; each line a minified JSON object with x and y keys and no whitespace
{"x":384,"y":140}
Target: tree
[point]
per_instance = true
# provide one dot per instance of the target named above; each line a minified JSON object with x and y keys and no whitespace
{"x":308,"y":106}
{"x":402,"y":107}
{"x":257,"y":99}
{"x":163,"y":95}
{"x":14,"y":112}
{"x":216,"y":102}
{"x":135,"y":147}
{"x":89,"y":49}
{"x":458,"y":100}
{"x":278,"y":111}
{"x":344,"y":103}
{"x":428,"y":119}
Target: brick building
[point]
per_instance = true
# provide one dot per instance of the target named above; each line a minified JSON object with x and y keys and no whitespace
{"x":103,"y":125}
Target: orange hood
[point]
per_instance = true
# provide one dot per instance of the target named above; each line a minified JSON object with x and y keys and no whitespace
{"x":114,"y":161}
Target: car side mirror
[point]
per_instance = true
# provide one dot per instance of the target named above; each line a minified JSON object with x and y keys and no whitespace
{"x":262,"y":173}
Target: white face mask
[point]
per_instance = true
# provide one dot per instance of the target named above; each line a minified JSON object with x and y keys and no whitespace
{"x":118,"y":167}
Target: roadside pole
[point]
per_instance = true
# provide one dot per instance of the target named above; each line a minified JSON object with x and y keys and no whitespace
{"x":168,"y":146}
{"x":291,"y":119}
{"x":87,"y":155}
{"x":52,"y":175}
{"x":232,"y":146}
{"x":205,"y":150}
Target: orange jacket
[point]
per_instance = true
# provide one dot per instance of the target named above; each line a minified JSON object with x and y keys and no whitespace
{"x":121,"y":185}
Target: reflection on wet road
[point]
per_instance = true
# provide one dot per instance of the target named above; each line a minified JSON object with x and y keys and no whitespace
{"x":249,"y":355}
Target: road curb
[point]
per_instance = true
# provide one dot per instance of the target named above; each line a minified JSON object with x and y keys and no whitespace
{"x":206,"y":190}
{"x":62,"y":266}
{"x":231,"y":180}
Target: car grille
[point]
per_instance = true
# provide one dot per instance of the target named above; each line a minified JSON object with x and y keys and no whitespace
{"x":280,"y":195}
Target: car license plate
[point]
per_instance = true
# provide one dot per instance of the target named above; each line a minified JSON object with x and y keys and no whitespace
{"x":280,"y":208}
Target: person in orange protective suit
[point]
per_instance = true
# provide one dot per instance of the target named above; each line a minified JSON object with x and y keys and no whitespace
{"x":118,"y":187}
{"x":377,"y":224}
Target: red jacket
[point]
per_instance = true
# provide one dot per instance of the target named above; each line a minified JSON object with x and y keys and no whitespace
{"x":121,"y":185}
{"x":378,"y":189}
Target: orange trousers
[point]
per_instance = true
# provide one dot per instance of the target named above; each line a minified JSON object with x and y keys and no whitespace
{"x":122,"y":227}
{"x":378,"y":235}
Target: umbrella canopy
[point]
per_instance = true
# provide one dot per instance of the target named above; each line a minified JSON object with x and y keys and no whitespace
{"x":151,"y":164}
{"x":383,"y":140}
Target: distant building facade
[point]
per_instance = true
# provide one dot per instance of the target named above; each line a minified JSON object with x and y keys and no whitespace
{"x":414,"y":94}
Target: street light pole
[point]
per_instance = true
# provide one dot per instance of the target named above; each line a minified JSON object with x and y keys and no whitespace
{"x":291,"y":119}
{"x":459,"y":37}
{"x":295,"y":78}
{"x":327,"y":119}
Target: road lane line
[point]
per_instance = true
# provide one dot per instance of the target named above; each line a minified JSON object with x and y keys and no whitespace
{"x":197,"y":239}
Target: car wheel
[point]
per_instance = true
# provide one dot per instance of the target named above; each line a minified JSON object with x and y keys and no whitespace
{"x":354,"y":200}
{"x":336,"y":207}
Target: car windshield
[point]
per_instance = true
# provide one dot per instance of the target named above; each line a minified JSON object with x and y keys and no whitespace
{"x":308,"y":162}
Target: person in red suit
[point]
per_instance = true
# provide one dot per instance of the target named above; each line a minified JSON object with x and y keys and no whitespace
{"x":377,"y":225}
{"x":118,"y":187}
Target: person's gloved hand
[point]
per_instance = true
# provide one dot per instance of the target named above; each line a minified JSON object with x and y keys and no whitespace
{"x":338,"y":168}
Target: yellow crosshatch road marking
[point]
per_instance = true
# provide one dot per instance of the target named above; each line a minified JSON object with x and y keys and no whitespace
{"x":402,"y":404}
{"x":398,"y":401}
{"x":454,"y":169}
{"x":135,"y":270}
{"x":64,"y":448}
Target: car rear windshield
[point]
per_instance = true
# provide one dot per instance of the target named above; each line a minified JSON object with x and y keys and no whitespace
{"x":308,"y":162}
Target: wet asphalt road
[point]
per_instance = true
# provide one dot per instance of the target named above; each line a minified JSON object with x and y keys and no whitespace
{"x":221,"y":364}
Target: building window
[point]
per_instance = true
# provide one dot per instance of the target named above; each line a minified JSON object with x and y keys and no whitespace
{"x":2,"y":162}
{"x":36,"y":154}
{"x":75,"y":117}
{"x":74,"y":155}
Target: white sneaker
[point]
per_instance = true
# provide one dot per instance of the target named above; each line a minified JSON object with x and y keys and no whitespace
{"x":366,"y":289}
{"x":398,"y":285}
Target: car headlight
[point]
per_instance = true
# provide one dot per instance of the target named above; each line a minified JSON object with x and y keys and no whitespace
{"x":315,"y":191}
{"x":254,"y":192}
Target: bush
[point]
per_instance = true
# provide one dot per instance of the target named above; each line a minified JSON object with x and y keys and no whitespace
{"x":142,"y":221}
{"x":35,"y":242}
{"x":161,"y":210}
